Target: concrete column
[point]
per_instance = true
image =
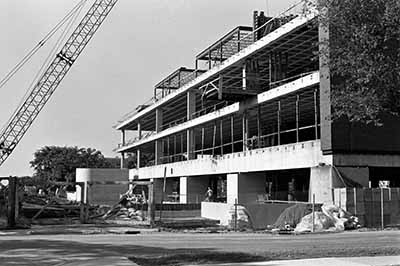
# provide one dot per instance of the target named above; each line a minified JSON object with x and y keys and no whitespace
{"x":158,"y":144}
{"x":325,"y":87}
{"x":122,"y":163}
{"x":158,"y":185}
{"x":123,"y":141}
{"x":183,"y":197}
{"x":190,"y":144}
{"x":321,"y":184}
{"x":245,"y":187}
{"x":138,"y":158}
{"x":139,"y":126}
{"x":232,"y":188}
{"x":138,"y":150}
{"x":193,"y":189}
{"x":325,"y":178}
{"x":245,"y":129}
{"x":191,"y":104}
{"x":191,"y":108}
{"x":244,"y":77}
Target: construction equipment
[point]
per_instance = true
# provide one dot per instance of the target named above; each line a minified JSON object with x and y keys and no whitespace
{"x":41,"y":92}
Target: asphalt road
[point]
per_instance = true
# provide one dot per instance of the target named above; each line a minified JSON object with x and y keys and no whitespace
{"x":176,"y":248}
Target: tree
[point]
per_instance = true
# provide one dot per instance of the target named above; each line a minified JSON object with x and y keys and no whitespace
{"x":364,"y":53}
{"x":59,"y":163}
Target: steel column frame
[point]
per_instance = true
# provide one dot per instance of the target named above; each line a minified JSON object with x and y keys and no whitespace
{"x":181,"y":149}
{"x":138,"y":155}
{"x":297,"y":117}
{"x":259,"y":133}
{"x":175,"y":137}
{"x":245,"y":130}
{"x":202,"y":140}
{"x":244,"y":81}
{"x":168,"y":149}
{"x":316,"y":113}
{"x":232,"y":134}
{"x":25,"y":115}
{"x":279,"y":122}
{"x":221,"y":137}
{"x":122,"y":162}
{"x":214,"y":138}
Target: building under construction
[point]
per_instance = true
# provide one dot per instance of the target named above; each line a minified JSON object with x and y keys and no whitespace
{"x":252,"y":120}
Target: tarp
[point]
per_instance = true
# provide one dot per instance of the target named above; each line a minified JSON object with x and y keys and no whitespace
{"x":330,"y":218}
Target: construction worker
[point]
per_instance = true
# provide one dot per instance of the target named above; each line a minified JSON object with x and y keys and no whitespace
{"x":209,"y":194}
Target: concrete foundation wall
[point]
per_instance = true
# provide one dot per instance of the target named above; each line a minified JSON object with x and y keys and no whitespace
{"x":217,"y":211}
{"x":261,"y":215}
{"x":102,"y":194}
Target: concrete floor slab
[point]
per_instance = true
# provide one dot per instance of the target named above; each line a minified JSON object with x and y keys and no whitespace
{"x":107,"y":261}
{"x":355,"y":261}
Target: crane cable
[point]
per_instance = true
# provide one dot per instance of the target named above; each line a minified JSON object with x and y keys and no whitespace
{"x":71,"y":17}
{"x":57,"y":45}
{"x":33,"y":51}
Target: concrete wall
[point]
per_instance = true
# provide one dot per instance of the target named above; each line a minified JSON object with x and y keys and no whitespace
{"x":261,"y":215}
{"x":217,"y":211}
{"x":102,"y":194}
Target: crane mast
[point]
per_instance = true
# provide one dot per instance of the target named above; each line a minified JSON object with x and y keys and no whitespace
{"x":41,"y":92}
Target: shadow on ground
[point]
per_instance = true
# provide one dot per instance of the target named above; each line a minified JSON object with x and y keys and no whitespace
{"x":45,"y":252}
{"x":55,"y":252}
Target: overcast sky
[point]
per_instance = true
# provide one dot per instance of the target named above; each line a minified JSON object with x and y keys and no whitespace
{"x":140,"y":43}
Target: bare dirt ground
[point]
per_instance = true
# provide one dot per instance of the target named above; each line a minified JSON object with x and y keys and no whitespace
{"x":190,"y":248}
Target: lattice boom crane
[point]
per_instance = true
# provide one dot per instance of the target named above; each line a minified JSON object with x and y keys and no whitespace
{"x":27,"y":112}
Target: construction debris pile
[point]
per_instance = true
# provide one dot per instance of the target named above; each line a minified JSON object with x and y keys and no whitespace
{"x":35,"y":206}
{"x":326,"y":218}
{"x":126,"y":210}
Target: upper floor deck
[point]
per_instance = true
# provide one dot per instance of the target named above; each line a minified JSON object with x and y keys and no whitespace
{"x":241,"y":64}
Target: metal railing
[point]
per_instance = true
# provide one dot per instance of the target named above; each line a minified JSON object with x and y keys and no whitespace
{"x":135,"y":139}
{"x":174,"y":123}
{"x":209,"y":109}
{"x":299,"y":8}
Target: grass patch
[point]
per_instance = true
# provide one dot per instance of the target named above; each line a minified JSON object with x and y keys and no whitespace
{"x":195,"y":257}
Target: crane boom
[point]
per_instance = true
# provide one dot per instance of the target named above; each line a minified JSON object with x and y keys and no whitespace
{"x":41,"y":92}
